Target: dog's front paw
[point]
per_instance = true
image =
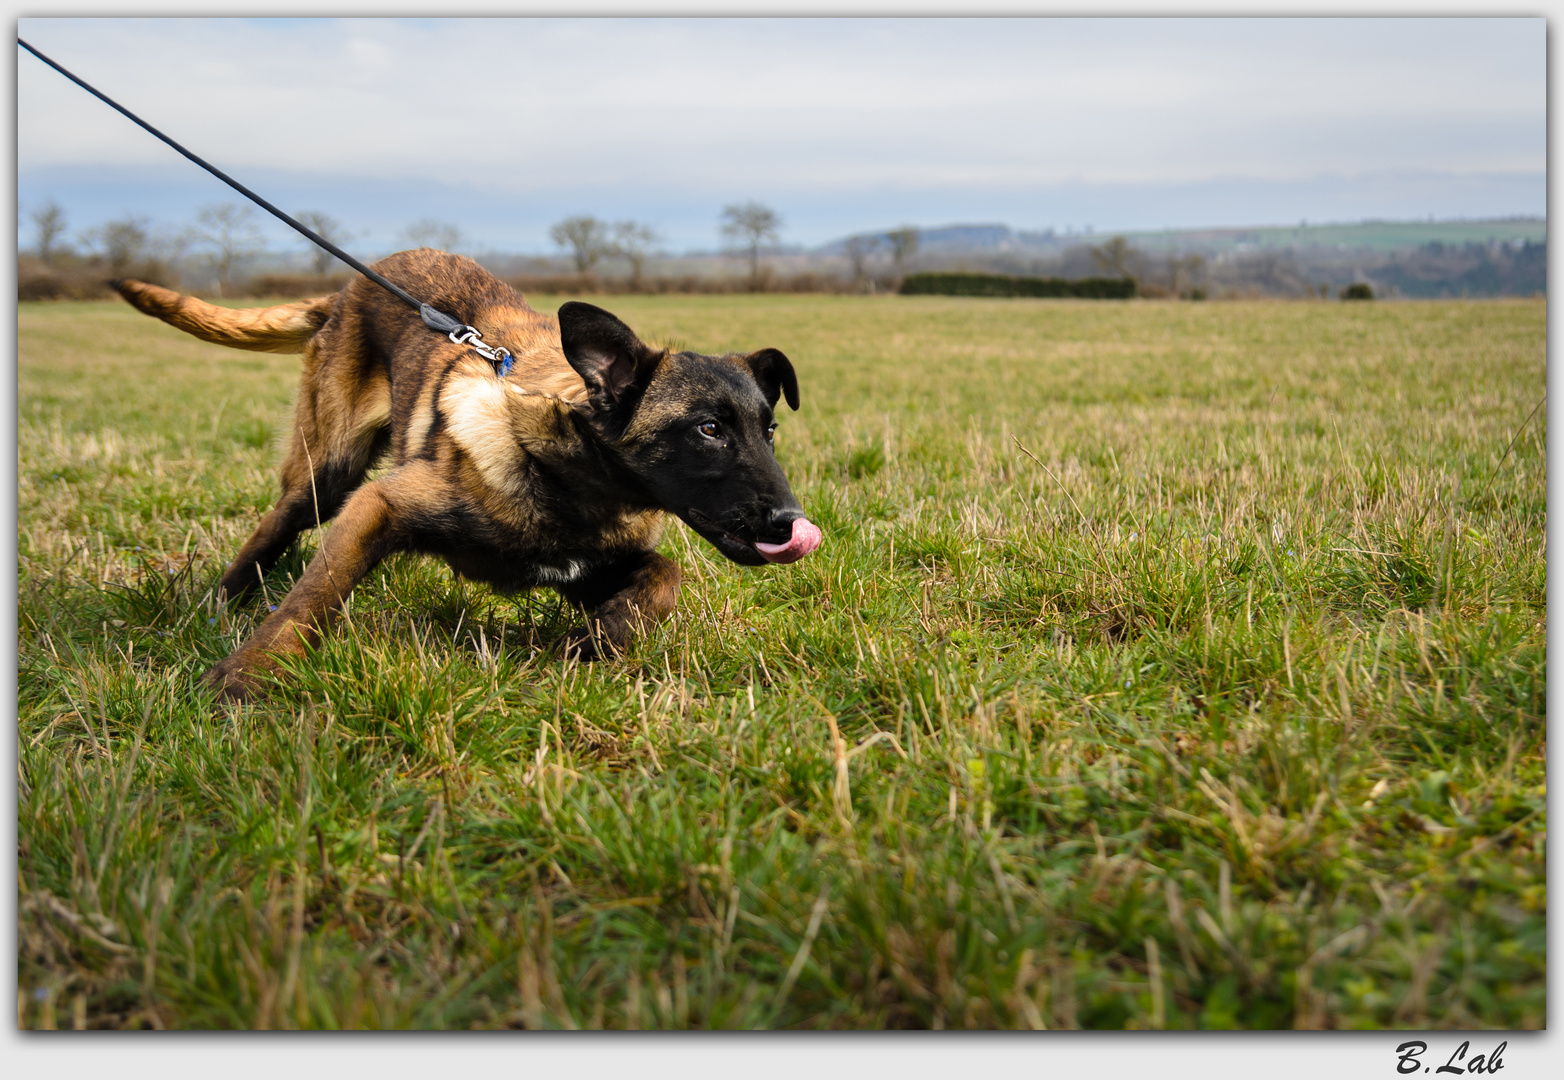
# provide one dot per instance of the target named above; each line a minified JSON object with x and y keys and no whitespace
{"x":233,"y":684}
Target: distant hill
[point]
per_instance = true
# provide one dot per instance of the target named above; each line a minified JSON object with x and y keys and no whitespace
{"x":1382,"y":236}
{"x":1362,"y":236}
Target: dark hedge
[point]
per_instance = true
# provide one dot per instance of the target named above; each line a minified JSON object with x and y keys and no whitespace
{"x":963,"y":284}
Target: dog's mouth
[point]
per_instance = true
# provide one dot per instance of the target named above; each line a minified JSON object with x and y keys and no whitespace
{"x":804,"y":538}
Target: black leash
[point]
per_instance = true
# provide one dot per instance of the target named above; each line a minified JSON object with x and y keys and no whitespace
{"x":436,"y":320}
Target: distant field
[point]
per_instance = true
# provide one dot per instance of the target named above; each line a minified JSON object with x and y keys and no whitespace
{"x":1165,"y":665}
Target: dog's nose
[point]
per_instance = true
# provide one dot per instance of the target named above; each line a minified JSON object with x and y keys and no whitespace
{"x":779,"y":524}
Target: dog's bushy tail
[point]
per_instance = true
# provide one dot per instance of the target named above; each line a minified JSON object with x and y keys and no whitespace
{"x":284,"y":329}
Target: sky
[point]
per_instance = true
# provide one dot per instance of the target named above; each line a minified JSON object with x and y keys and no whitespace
{"x":505,"y":126}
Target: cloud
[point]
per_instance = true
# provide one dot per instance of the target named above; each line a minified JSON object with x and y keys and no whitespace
{"x":732,"y":108}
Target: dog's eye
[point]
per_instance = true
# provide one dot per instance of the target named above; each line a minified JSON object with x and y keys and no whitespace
{"x":771,"y":432}
{"x":710,"y":429}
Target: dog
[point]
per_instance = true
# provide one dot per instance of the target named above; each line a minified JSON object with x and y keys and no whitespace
{"x":557,"y":474}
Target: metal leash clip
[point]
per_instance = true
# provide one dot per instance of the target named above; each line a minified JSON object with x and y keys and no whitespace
{"x":494,"y":354}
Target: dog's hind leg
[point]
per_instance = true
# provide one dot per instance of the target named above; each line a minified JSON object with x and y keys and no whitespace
{"x":318,"y":475}
{"x":622,"y":601}
{"x":308,"y":500}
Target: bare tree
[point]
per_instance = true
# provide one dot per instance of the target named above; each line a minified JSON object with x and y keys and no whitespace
{"x":430,"y":233}
{"x":48,"y":226}
{"x":165,"y":251}
{"x":634,"y":242}
{"x":749,"y":225}
{"x":1116,"y":256}
{"x":120,"y":243}
{"x":1272,"y":272}
{"x":587,"y":238}
{"x":904,"y":245}
{"x":859,"y":250}
{"x":1184,"y":271}
{"x":229,"y":232}
{"x":327,"y":228}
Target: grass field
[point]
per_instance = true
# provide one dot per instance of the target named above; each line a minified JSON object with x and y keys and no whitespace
{"x":1164,"y":665}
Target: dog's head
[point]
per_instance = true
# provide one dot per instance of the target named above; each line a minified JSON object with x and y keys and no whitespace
{"x":696,"y":432}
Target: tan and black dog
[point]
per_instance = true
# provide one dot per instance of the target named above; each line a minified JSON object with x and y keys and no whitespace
{"x":556,"y":474}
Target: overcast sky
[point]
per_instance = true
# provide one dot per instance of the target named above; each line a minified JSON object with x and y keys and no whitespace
{"x":504,"y":126}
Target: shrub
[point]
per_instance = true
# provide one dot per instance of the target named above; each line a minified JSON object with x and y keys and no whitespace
{"x":967,"y":284}
{"x":295,"y":284}
{"x":1358,"y":290}
{"x":74,"y":278}
{"x":46,"y":283}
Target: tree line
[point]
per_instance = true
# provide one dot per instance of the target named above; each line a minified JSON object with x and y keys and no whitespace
{"x":224,"y":244}
{"x":749,"y":227}
{"x":225,"y":240}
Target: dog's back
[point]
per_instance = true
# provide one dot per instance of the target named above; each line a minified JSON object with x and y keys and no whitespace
{"x":366,"y":322}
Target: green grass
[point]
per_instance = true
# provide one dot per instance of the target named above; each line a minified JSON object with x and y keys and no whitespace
{"x":1164,"y":665}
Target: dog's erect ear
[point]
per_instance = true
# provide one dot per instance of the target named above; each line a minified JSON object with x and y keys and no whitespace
{"x":605,"y":352}
{"x":774,"y":372}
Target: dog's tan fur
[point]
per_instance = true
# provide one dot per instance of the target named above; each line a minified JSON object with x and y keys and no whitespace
{"x":285,"y":329}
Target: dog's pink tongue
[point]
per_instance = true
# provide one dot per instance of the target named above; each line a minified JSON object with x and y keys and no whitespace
{"x":806,"y":537}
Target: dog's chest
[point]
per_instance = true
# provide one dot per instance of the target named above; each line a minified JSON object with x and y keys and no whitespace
{"x":510,"y":572}
{"x":571,"y":553}
{"x":475,"y":415}
{"x":569,"y":570}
